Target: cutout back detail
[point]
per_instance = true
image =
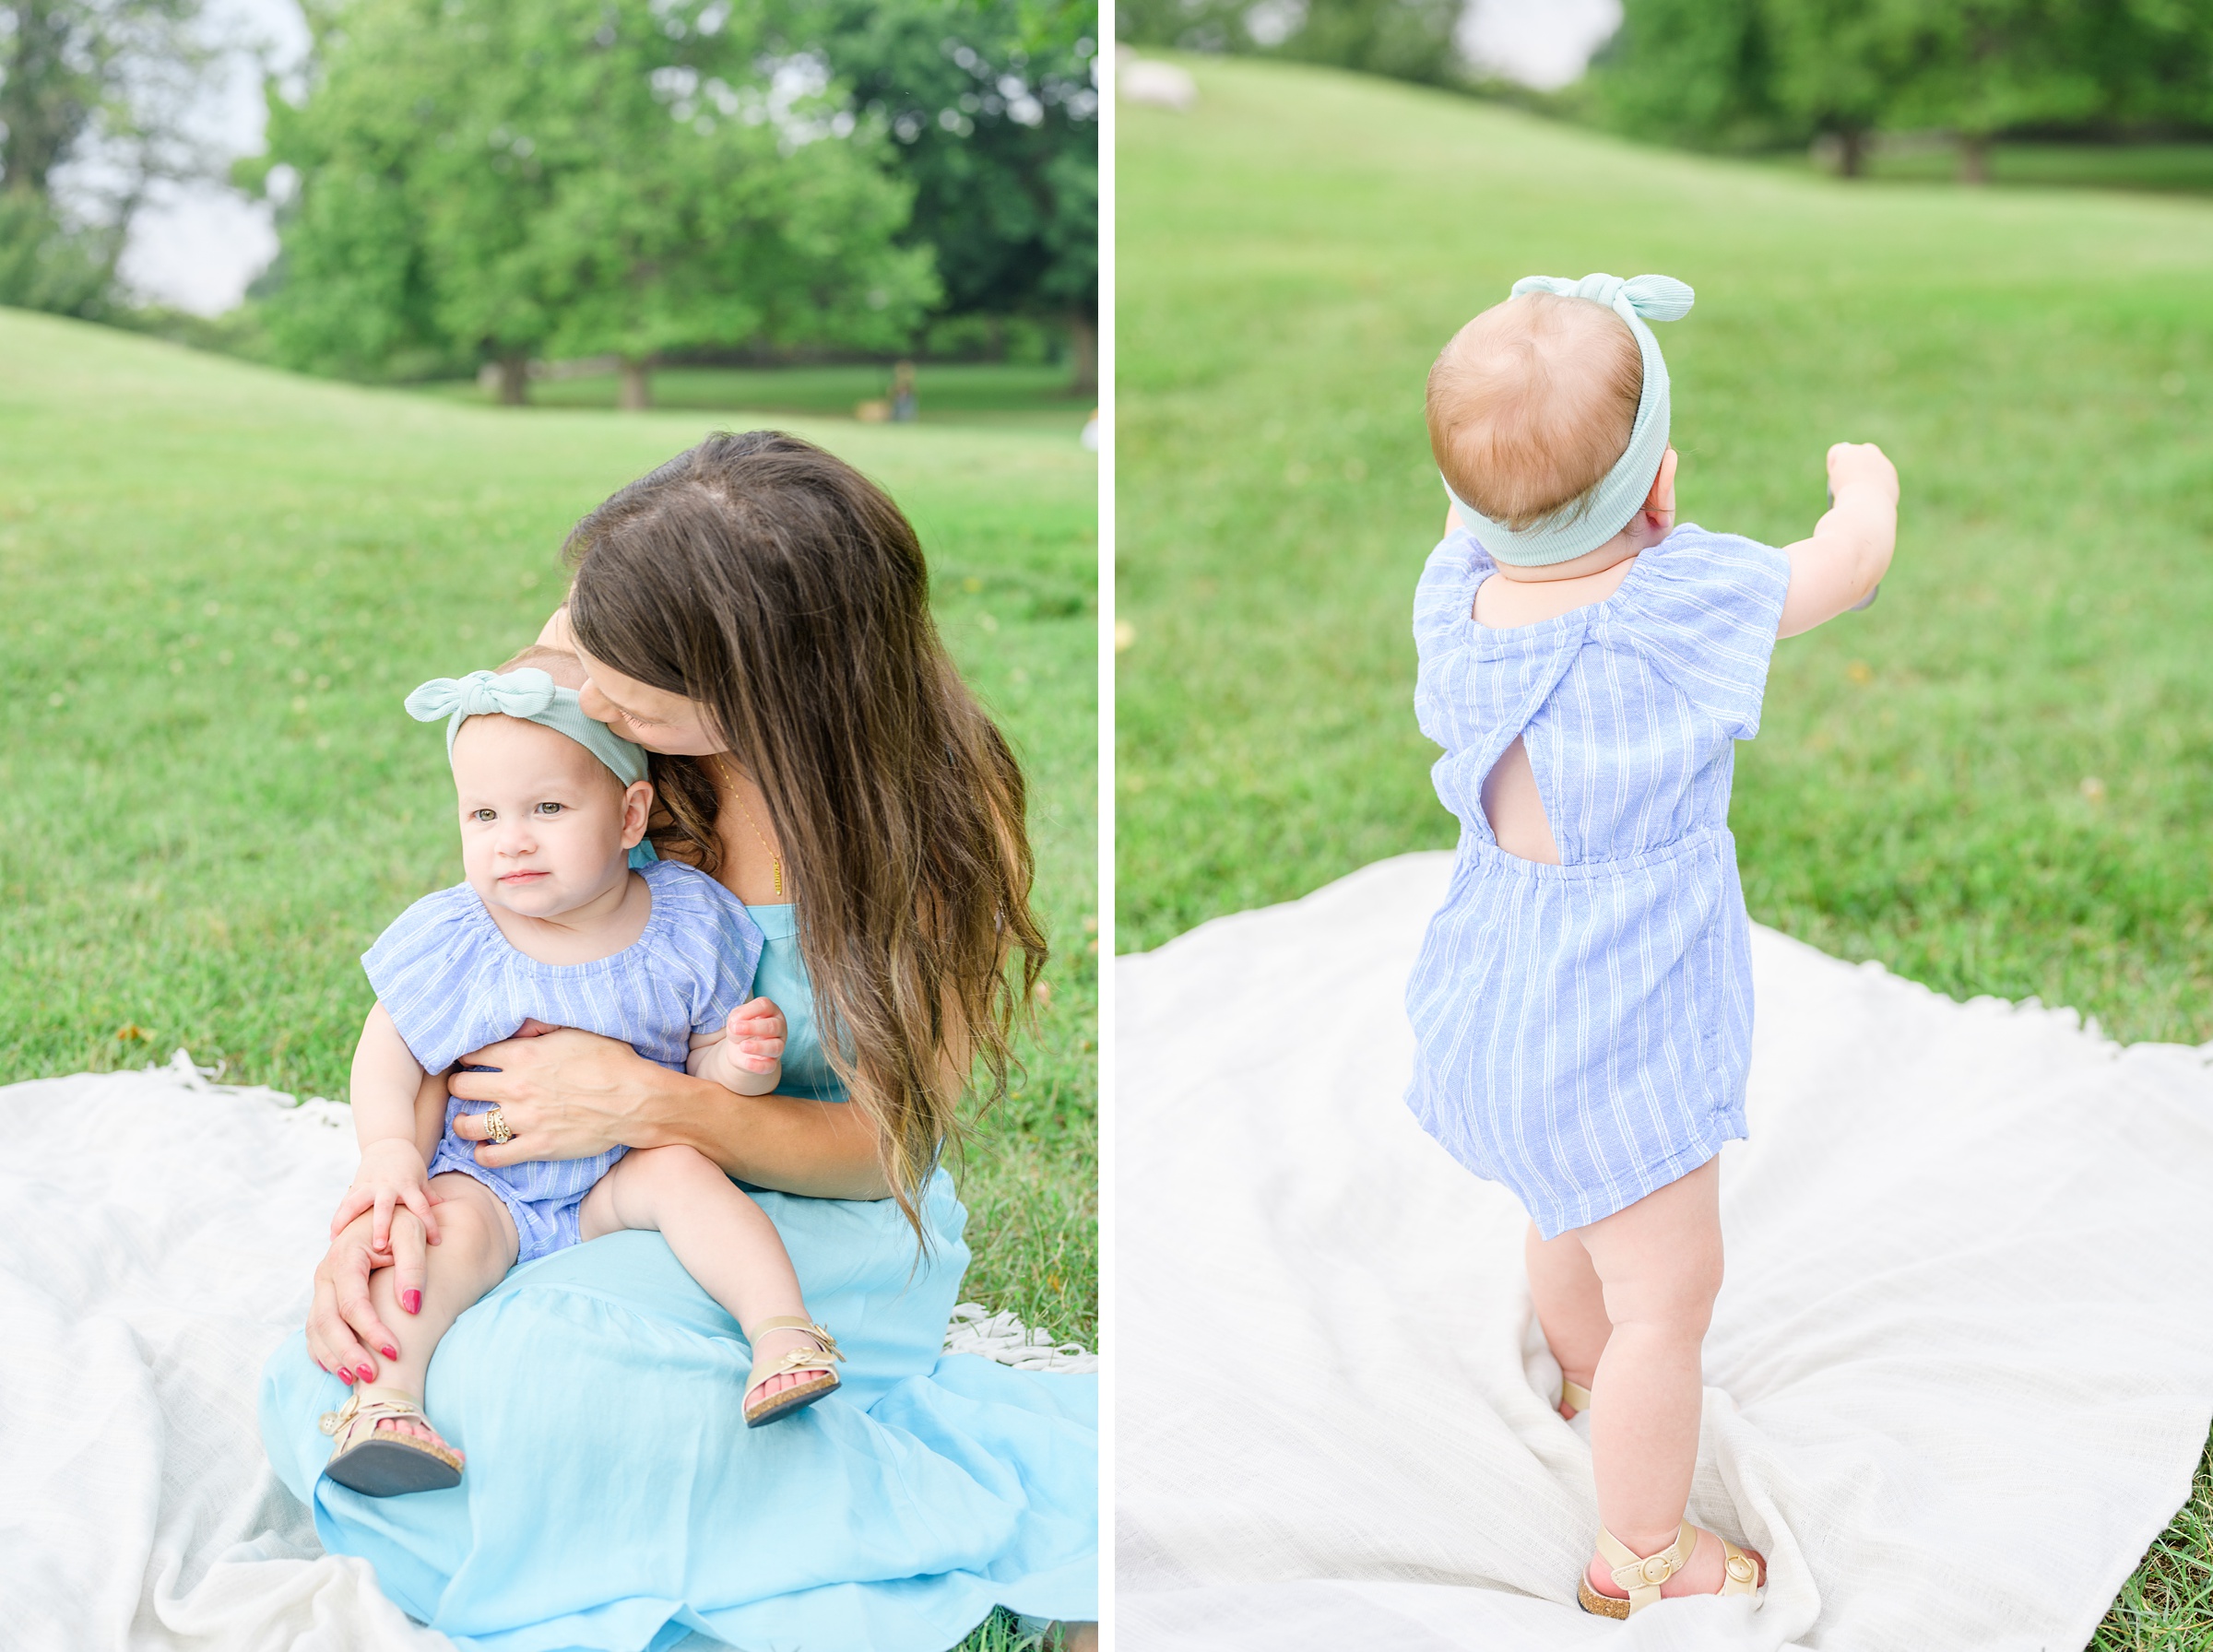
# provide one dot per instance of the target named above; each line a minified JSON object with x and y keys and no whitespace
{"x":1516,"y":810}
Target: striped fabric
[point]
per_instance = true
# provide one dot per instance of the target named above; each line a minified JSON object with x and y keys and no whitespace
{"x":1582,"y":1029}
{"x":452,"y":984}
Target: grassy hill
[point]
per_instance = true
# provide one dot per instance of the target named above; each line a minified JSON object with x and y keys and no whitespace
{"x":220,"y":581}
{"x":1995,"y":781}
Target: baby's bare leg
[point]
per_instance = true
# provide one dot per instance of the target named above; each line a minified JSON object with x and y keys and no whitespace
{"x":1660,"y":1264}
{"x":475,"y":1248}
{"x":1570,"y":1302}
{"x":723,"y":1240}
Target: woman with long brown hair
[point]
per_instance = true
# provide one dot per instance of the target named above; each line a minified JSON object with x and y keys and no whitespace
{"x":755,"y":613}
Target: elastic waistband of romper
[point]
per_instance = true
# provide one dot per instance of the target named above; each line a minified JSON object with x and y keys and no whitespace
{"x":1479,"y":851}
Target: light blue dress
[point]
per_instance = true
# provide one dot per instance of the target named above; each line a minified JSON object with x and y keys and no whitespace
{"x":615,"y":1499}
{"x":1582,"y":1031}
{"x":452,"y":983}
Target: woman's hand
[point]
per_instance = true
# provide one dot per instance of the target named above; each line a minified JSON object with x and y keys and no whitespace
{"x":566,"y":1094}
{"x":392,"y":1173}
{"x":342,"y":1325}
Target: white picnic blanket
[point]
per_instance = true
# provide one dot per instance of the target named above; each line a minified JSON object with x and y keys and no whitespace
{"x":157,"y":1237}
{"x":1958,"y":1381}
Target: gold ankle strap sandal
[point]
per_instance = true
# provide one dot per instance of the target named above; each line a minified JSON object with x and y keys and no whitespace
{"x":1574,"y":1394}
{"x":1643,"y":1576}
{"x":387,"y":1464}
{"x":800,"y":1395}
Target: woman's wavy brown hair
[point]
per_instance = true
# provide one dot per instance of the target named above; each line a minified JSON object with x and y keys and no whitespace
{"x":786,"y":593}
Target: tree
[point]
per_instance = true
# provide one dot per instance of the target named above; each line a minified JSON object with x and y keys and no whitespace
{"x":91,"y":95}
{"x":1980,"y":68}
{"x":1695,"y":72}
{"x":497,"y":178}
{"x":1747,"y":73}
{"x":1407,"y":40}
{"x":992,"y":111}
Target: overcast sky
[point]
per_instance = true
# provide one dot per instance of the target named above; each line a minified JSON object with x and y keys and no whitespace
{"x":198,"y":248}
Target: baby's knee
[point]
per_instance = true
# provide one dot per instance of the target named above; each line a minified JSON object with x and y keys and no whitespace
{"x":1676,"y":1293}
{"x":470,"y":1218}
{"x":673,"y":1166}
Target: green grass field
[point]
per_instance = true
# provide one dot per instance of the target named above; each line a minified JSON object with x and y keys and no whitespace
{"x":1995,"y":781}
{"x":220,"y":581}
{"x":977,"y":396}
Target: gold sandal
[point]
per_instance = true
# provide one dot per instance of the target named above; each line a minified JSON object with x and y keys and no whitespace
{"x":1574,"y":1394}
{"x":385,"y":1465}
{"x":1643,"y":1575}
{"x":800,"y":1395}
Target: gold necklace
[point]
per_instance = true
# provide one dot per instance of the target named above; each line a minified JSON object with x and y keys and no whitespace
{"x":775,"y":861}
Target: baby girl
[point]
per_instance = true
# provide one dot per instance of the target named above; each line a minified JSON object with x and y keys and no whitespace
{"x":1583,"y":1005}
{"x":554,"y":927}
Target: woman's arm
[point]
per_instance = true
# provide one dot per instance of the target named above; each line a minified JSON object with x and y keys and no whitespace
{"x":570,"y":1094}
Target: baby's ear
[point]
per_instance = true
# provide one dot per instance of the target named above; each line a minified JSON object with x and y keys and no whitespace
{"x":1662,"y":496}
{"x":637,"y":810}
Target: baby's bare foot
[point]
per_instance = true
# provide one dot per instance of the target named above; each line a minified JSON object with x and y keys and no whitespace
{"x":1704,"y":1575}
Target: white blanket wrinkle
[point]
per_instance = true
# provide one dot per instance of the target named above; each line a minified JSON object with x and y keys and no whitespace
{"x":1959,"y":1375}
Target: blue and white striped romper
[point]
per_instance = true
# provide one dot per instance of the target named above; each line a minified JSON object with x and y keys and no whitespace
{"x":1582,"y":1031}
{"x":452,"y":983}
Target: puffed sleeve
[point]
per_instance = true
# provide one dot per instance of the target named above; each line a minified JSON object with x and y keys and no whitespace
{"x":1444,"y":595}
{"x":1704,"y":608}
{"x":425,"y":970}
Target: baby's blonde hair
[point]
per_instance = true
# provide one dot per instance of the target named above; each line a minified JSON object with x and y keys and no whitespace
{"x":1531,"y":403}
{"x":564,"y":667}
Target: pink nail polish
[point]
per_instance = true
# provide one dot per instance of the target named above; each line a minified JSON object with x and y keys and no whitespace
{"x":368,"y":1374}
{"x":412,"y":1302}
{"x":390,"y":1353}
{"x":345,"y":1378}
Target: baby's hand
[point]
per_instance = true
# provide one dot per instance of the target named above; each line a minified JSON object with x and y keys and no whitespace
{"x":756,"y":1034}
{"x":1860,"y":465}
{"x":392,"y":1174}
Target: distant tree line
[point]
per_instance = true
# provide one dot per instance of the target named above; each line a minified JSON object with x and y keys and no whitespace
{"x":92,"y":94}
{"x":1742,"y":73}
{"x":465,"y":183}
{"x":1407,"y":40}
{"x":1755,"y":74}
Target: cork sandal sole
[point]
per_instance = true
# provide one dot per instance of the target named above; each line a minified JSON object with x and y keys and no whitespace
{"x":797,"y":1399}
{"x":1598,"y":1605}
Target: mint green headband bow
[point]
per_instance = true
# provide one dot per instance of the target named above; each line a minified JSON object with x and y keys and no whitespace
{"x":1589,"y":522}
{"x":531,"y":695}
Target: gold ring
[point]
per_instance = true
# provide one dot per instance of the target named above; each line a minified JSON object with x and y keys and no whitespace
{"x":496,"y":1122}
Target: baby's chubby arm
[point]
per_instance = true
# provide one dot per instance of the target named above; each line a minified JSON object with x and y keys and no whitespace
{"x":1833,"y":572}
{"x":746,"y":1055}
{"x":390,"y":1094}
